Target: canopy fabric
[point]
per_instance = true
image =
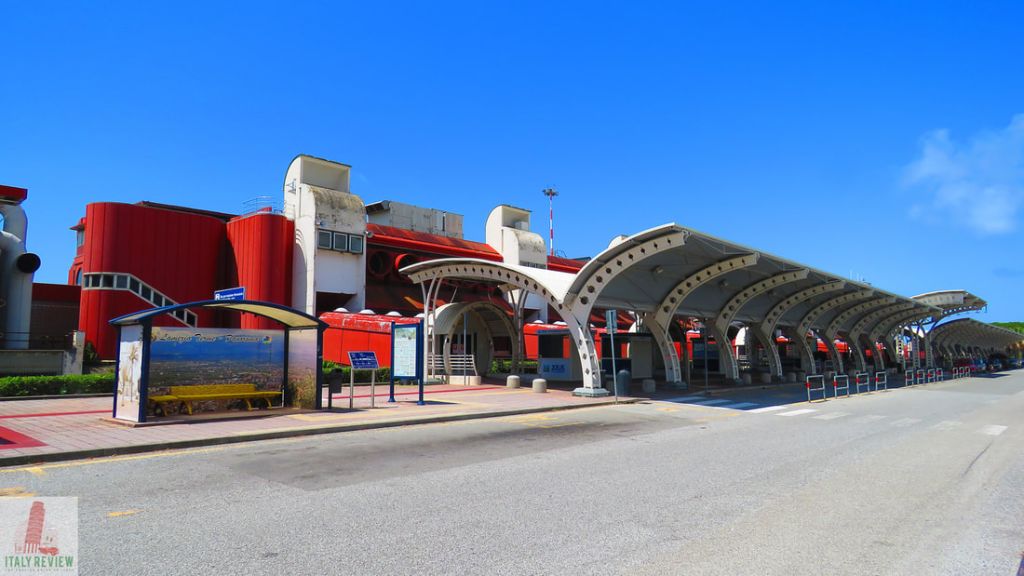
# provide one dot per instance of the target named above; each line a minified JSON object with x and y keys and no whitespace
{"x":287,"y":316}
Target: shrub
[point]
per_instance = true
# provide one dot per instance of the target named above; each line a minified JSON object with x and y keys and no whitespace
{"x":56,"y":385}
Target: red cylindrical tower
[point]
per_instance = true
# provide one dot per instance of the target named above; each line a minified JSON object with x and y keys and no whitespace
{"x":262,"y":247}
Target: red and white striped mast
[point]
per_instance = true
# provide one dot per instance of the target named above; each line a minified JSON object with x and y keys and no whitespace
{"x":551,"y":193}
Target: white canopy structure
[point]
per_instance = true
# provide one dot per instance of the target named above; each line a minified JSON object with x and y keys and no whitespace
{"x":672,"y":271}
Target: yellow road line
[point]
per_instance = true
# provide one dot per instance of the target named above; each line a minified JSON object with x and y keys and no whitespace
{"x":15,"y":492}
{"x":120,"y":513}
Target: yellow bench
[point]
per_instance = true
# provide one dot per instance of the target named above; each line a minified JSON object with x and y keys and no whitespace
{"x":188,"y":394}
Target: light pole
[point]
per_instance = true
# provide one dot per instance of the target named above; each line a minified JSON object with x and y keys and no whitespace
{"x":551,"y":193}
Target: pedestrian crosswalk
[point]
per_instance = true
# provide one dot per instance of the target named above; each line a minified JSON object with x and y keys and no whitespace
{"x":817,"y":413}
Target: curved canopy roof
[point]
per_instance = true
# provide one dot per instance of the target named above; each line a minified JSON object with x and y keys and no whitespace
{"x":289,"y":317}
{"x":679,"y":270}
{"x":970,"y":332}
{"x":952,"y":301}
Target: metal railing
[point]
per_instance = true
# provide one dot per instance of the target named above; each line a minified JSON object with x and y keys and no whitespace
{"x":840,"y":382}
{"x":820,"y":379}
{"x":881,"y":379}
{"x":862,"y":380}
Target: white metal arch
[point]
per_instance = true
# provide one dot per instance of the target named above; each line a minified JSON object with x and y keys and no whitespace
{"x":733,"y":307}
{"x":767,"y":327}
{"x":811,"y":317}
{"x":661,"y":320}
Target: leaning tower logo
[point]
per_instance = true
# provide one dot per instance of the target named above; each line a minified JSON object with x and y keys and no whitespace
{"x":39,"y":535}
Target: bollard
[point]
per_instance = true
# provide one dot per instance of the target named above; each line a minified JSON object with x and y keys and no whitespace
{"x":649,"y":386}
{"x":622,"y":380}
{"x":540,"y":385}
{"x":512,"y":381}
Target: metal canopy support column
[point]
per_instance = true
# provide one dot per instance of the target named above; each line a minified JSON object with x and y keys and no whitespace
{"x":766,"y":328}
{"x":832,"y":332}
{"x":666,"y":310}
{"x":805,"y":324}
{"x":732,"y":308}
{"x":591,"y":282}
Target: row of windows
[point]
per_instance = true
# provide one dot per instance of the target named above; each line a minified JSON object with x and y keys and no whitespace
{"x":339,"y":241}
{"x":140,"y":289}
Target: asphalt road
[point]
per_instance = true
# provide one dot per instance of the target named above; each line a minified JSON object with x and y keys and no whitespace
{"x":926,"y":480}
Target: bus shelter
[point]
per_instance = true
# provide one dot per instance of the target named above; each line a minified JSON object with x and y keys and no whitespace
{"x":165,"y":366}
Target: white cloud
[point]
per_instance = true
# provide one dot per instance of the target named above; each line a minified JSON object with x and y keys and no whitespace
{"x":978,"y":183}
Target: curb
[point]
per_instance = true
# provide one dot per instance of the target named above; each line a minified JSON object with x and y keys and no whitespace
{"x":56,"y":397}
{"x":33,"y":459}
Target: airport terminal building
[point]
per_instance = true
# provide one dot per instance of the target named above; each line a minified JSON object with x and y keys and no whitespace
{"x":684,"y":300}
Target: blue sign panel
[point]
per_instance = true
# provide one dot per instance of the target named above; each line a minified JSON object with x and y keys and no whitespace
{"x":363,"y":360}
{"x":230,"y":294}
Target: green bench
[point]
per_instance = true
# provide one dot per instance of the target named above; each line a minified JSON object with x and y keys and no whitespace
{"x":189,"y":394}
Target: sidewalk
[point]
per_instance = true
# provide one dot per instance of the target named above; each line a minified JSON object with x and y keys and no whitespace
{"x":33,"y":431}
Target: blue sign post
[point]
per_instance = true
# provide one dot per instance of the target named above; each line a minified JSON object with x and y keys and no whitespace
{"x":362,"y":361}
{"x":237,"y":293}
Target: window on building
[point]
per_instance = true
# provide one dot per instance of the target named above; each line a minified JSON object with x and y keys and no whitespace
{"x":340,"y":241}
{"x":78,"y":277}
{"x":108,"y":281}
{"x":146,"y":293}
{"x":79,"y":238}
{"x":355,"y":244}
{"x":133,"y":285}
{"x":121,"y":282}
{"x":323,"y":239}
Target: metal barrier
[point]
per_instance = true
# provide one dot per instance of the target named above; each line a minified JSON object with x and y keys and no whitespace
{"x":931,"y":375}
{"x":821,"y":380}
{"x":908,"y":378}
{"x":836,"y":387}
{"x":939,"y":376}
{"x":862,"y":380}
{"x":881,"y":379}
{"x":921,"y":376}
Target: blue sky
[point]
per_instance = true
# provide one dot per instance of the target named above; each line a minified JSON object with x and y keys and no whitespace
{"x":878,"y":139}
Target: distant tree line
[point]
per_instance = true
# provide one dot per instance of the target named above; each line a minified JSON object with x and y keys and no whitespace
{"x":1015,"y":326}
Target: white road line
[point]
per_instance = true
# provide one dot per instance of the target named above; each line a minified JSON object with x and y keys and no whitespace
{"x":869,"y":418}
{"x":947,"y":425}
{"x":831,"y":416}
{"x":993,"y":430}
{"x":904,"y":422}
{"x":683,"y":399}
{"x":797,"y":412}
{"x":768,"y":409}
{"x":739,"y":406}
{"x":713,"y":402}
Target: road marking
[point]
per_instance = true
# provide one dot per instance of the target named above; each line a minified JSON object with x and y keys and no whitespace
{"x":904,"y":422}
{"x":993,"y":430}
{"x":739,"y":406}
{"x":797,"y":412}
{"x":712,"y":402}
{"x":869,"y":418}
{"x":684,"y":399}
{"x":15,"y":492}
{"x":831,"y":416}
{"x":768,"y":409}
{"x":120,"y":513}
{"x":76,"y":463}
{"x":947,"y":425}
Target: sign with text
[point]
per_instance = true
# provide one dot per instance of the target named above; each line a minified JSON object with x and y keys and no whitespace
{"x":237,"y":293}
{"x":363,"y":360}
{"x":405,"y":357}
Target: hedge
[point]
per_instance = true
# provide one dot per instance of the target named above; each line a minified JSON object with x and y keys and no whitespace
{"x":56,"y":385}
